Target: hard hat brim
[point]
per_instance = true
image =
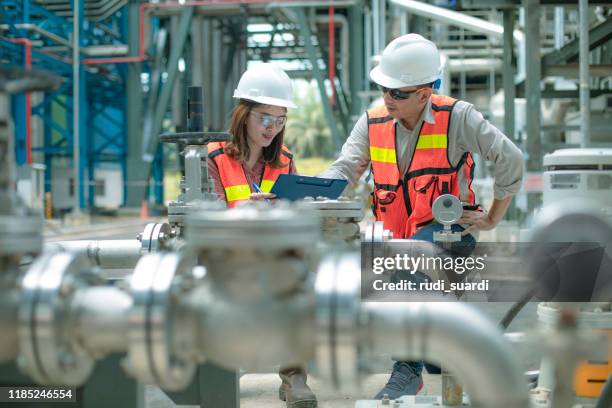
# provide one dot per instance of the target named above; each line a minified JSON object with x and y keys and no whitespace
{"x":376,"y":75}
{"x":267,"y":100}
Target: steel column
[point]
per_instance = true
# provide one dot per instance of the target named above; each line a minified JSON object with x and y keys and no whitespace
{"x":318,"y":75}
{"x":585,"y":96}
{"x":134,"y":187}
{"x":357,"y":78}
{"x":532,"y":84}
{"x":508,"y":74}
{"x":178,"y":43}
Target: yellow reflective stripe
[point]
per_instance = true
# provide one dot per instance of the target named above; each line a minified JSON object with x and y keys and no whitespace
{"x":239,"y":192}
{"x":380,"y":154}
{"x":432,"y":142}
{"x":266,"y":185}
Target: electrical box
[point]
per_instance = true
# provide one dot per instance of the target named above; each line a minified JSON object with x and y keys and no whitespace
{"x":579,"y":173}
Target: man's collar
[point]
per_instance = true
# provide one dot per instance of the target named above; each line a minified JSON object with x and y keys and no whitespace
{"x":428,"y":113}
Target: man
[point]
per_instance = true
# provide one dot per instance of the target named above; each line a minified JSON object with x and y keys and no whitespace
{"x":420,"y":146}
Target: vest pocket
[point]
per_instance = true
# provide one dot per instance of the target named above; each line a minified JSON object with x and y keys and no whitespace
{"x":425,"y":190}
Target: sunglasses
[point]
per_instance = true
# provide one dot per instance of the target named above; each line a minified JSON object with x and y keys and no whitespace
{"x":397,"y":94}
{"x":269,"y":120}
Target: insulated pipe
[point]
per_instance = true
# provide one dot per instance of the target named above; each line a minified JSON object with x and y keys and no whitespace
{"x":466,"y":343}
{"x":144,"y":6}
{"x":107,"y":254}
{"x":101,"y":319}
{"x":474,"y":65}
{"x":456,"y":18}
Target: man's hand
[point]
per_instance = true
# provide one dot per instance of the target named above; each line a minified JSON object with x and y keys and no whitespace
{"x":478,"y":221}
{"x":261,"y":196}
{"x":483,"y":221}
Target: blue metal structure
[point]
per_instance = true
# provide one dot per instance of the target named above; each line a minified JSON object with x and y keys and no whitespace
{"x":102,"y":95}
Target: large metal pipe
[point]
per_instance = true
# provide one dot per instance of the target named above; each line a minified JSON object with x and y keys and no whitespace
{"x":456,"y":18}
{"x":466,"y":343}
{"x":107,"y":254}
{"x":585,"y":92}
{"x":101,"y":321}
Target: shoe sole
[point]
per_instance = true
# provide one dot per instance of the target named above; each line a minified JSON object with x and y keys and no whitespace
{"x":297,"y":404}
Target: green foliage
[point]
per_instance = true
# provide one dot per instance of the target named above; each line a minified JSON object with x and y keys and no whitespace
{"x":307,"y":134}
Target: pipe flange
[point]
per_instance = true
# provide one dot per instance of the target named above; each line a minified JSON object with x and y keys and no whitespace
{"x":20,"y":235}
{"x":48,"y":354}
{"x":254,"y":225}
{"x":337,"y":317}
{"x":342,"y":208}
{"x":375,"y":233}
{"x":155,"y":237}
{"x":157,"y":278}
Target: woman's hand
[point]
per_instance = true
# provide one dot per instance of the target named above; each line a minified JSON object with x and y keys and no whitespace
{"x":478,"y":221}
{"x":262,"y":196}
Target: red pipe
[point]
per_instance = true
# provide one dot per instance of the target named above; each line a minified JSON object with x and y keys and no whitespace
{"x":28,"y":64}
{"x":144,"y":6}
{"x":331,"y":34}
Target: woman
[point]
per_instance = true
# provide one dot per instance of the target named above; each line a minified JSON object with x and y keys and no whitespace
{"x":254,"y":159}
{"x":256,"y":155}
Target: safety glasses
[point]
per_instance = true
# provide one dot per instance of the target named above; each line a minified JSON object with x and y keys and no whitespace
{"x":397,"y":94}
{"x":269,"y":120}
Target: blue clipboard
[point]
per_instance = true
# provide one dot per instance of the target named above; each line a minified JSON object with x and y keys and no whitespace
{"x":294,"y":187}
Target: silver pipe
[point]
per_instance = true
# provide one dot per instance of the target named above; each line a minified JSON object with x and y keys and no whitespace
{"x":469,"y":346}
{"x":75,"y":107}
{"x":376,"y":27}
{"x":455,"y":18}
{"x":474,"y":65}
{"x":107,"y":254}
{"x":383,"y":24}
{"x":368,"y":36}
{"x":246,"y":305}
{"x":559,"y":27}
{"x":101,"y":319}
{"x":340,"y":20}
{"x":585,"y":96}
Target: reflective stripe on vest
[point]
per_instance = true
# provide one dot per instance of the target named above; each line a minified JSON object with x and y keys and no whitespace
{"x":404,"y":203}
{"x":234,"y":179}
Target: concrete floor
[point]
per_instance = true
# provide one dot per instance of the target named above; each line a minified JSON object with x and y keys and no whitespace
{"x":261,"y":391}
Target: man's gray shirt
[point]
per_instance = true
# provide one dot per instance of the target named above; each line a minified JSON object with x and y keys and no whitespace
{"x":469,"y":132}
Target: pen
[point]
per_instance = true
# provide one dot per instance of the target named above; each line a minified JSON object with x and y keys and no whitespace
{"x":257,"y":189}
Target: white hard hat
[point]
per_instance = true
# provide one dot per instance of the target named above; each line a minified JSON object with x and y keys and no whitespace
{"x":408,"y":60}
{"x":266,"y":83}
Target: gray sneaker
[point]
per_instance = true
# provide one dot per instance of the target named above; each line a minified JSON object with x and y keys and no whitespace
{"x":401,"y":383}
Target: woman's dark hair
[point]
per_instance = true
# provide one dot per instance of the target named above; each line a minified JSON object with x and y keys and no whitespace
{"x":238,"y":147}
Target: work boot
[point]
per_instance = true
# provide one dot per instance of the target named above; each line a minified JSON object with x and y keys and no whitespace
{"x":294,"y":390}
{"x":404,"y":380}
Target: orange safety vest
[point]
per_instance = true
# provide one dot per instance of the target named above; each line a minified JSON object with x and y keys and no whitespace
{"x":234,"y":179}
{"x":404,"y":203}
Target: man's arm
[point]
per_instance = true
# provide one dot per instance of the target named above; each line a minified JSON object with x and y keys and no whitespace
{"x":355,"y":156}
{"x":477,"y":135}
